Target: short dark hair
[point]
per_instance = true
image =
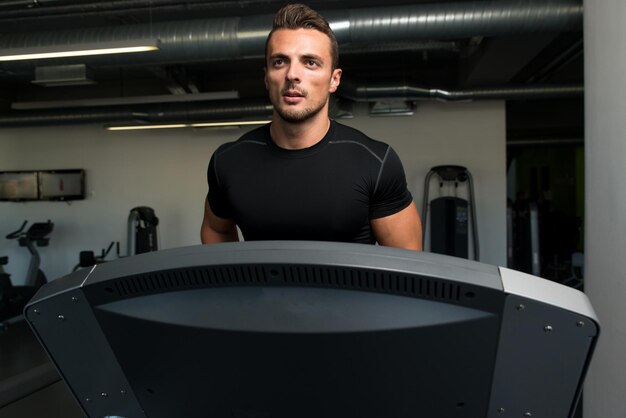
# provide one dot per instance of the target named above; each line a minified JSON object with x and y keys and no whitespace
{"x":300,"y":16}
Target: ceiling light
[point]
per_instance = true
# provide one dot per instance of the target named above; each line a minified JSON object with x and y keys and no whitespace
{"x":188,"y":125}
{"x":219,"y":124}
{"x":135,"y":127}
{"x":79,"y":50}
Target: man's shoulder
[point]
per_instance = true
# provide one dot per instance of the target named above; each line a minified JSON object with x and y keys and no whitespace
{"x":255,"y":137}
{"x":348,"y":135}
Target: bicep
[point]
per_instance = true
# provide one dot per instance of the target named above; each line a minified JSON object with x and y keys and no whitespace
{"x":403,"y":229}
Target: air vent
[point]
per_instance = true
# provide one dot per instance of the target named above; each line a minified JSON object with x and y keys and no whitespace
{"x":63,"y":75}
{"x":281,"y":275}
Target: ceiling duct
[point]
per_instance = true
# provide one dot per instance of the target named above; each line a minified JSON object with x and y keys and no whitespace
{"x":244,"y":37}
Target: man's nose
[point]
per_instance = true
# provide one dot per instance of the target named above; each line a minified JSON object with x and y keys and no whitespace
{"x":293,"y":72}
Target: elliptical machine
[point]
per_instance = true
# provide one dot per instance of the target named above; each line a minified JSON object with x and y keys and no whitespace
{"x":14,"y":298}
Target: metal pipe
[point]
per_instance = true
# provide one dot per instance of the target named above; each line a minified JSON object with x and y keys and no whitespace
{"x":372,"y":93}
{"x":162,"y":113}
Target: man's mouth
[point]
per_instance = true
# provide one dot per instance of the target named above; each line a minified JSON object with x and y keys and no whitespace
{"x":293,"y":93}
{"x":293,"y":96}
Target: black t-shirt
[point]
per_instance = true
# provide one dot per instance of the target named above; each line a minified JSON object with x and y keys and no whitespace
{"x":328,"y":192}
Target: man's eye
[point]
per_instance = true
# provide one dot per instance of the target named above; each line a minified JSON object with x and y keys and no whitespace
{"x":278,"y":62}
{"x":311,"y":63}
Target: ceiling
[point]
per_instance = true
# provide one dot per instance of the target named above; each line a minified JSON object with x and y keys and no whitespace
{"x":529,"y":53}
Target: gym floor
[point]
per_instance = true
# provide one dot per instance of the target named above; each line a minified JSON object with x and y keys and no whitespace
{"x":30,"y":386}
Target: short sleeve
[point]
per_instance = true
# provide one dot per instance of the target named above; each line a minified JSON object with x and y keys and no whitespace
{"x":217,"y":197}
{"x":391,"y":194}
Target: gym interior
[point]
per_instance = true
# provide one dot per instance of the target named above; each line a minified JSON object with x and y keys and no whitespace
{"x":505,"y":91}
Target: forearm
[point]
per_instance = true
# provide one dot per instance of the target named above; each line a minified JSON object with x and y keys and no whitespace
{"x":215,"y":229}
{"x":401,"y":230}
{"x":210,"y":236}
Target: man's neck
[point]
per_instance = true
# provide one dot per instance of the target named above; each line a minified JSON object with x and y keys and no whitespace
{"x":299,"y":135}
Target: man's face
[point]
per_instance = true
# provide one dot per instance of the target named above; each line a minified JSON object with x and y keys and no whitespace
{"x":299,"y":74}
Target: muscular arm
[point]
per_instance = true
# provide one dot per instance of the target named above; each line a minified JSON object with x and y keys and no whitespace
{"x":401,"y":230}
{"x":215,"y":229}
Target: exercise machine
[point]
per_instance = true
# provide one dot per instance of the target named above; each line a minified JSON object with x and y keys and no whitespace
{"x":88,"y":258}
{"x":449,"y":222}
{"x":142,"y":230}
{"x":314,"y":329}
{"x":142,"y":238}
{"x":14,"y":298}
{"x":525,"y":237}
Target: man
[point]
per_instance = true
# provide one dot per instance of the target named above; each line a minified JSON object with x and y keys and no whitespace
{"x":303,"y":176}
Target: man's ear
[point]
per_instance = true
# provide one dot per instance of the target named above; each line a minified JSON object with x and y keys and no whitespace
{"x":265,"y":78}
{"x":335,"y":80}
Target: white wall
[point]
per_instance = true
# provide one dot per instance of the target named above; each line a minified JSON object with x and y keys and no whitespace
{"x":166,"y":170}
{"x":605,"y":202}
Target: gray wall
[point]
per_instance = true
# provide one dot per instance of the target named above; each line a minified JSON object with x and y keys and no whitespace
{"x":605,"y":202}
{"x":166,"y":169}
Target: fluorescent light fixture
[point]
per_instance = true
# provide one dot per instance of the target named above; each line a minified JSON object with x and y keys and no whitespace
{"x":79,"y":50}
{"x":219,"y":124}
{"x":137,"y":127}
{"x":188,"y":125}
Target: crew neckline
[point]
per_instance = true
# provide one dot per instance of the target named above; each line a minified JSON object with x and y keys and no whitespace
{"x":302,"y":152}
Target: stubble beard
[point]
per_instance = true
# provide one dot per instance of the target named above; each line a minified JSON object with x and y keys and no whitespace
{"x":292,"y":115}
{"x":298,"y":116}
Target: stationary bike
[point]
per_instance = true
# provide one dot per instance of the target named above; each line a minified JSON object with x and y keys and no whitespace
{"x":14,"y":298}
